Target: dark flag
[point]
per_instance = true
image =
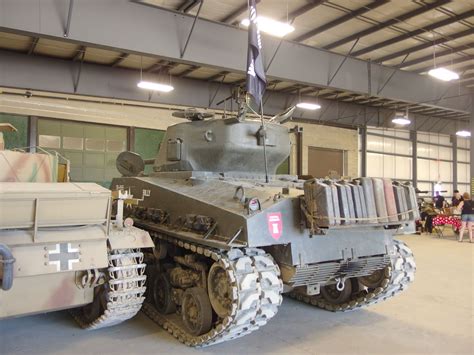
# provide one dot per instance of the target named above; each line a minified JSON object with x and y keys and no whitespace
{"x":256,"y":81}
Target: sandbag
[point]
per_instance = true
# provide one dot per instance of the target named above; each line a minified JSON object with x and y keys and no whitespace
{"x":343,"y":203}
{"x":412,"y":203}
{"x":362,"y":202}
{"x":380,"y":203}
{"x":335,"y":202}
{"x":357,"y":202}
{"x":401,"y":202}
{"x":390,"y":200}
{"x":368,"y":187}
{"x":319,"y":201}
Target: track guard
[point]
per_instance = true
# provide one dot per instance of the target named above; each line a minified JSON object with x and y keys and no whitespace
{"x":129,"y":238}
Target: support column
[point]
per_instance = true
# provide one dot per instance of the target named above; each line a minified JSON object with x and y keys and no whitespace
{"x":363,"y":151}
{"x":33,"y":133}
{"x":414,"y":158}
{"x":299,"y":150}
{"x":131,"y":139}
{"x":471,"y":150}
{"x":454,"y":140}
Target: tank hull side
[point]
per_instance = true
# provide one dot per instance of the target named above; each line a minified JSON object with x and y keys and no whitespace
{"x":292,"y":245}
{"x":163,"y":194}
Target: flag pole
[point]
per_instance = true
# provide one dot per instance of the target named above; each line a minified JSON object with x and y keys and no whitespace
{"x":264,"y":141}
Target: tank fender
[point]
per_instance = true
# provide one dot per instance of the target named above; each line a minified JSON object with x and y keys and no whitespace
{"x":7,"y":262}
{"x":130,"y":238}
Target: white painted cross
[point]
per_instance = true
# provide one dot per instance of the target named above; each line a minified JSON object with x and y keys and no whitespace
{"x":63,"y":256}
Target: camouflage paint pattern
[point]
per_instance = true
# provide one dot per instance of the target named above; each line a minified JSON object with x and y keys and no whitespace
{"x":28,"y":167}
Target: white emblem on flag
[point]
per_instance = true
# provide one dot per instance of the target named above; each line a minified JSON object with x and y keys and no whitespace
{"x":251,"y":70}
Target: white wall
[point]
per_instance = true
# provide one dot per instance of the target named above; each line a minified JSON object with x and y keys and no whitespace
{"x":106,"y":112}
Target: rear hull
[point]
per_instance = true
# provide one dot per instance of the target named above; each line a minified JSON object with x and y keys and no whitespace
{"x":43,"y":293}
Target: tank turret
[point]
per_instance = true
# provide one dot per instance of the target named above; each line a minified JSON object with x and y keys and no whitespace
{"x":222,"y":146}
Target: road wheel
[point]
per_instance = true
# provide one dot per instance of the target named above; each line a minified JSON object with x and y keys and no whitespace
{"x":373,"y":280}
{"x":219,"y":288}
{"x":196,"y":311}
{"x":333,"y":296}
{"x":162,"y":297}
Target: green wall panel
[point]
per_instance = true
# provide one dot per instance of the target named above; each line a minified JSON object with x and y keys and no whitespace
{"x":91,"y":148}
{"x":147,"y":144}
{"x":284,"y":168}
{"x":15,"y":139}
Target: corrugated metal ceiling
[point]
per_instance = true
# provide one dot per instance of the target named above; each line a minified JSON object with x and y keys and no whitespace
{"x":403,"y":31}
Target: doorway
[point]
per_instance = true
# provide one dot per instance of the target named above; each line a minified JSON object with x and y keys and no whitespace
{"x":323,"y":162}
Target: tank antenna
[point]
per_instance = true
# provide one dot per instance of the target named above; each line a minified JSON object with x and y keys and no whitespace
{"x":264,"y":132}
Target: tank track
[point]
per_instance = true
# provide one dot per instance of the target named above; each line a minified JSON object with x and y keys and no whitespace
{"x":396,"y":279}
{"x":124,"y":290}
{"x":256,"y":295}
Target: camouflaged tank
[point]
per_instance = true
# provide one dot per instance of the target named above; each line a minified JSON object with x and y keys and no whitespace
{"x":228,"y":244}
{"x":59,"y":248}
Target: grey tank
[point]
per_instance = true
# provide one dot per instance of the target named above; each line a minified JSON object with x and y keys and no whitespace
{"x":228,"y":244}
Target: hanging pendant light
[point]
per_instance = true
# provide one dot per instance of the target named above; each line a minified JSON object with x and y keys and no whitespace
{"x":401,"y":118}
{"x":441,"y":73}
{"x":152,"y":85}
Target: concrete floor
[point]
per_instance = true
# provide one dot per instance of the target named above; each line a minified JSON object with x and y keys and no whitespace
{"x":435,"y":315}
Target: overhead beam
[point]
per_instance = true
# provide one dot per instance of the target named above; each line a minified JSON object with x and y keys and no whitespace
{"x":406,"y":16}
{"x":188,"y":5}
{"x":468,"y":76}
{"x":120,"y":25}
{"x":459,"y":60}
{"x":161,"y":65}
{"x":120,"y":59}
{"x":360,"y":11}
{"x":218,"y":75}
{"x":419,"y":31}
{"x":240,"y":10}
{"x":189,"y":70}
{"x":303,"y":10}
{"x":465,"y":68}
{"x":425,"y":45}
{"x":21,"y":71}
{"x":81,"y":52}
{"x":33,"y":45}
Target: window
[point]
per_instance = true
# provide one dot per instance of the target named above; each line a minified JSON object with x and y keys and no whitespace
{"x":46,"y":141}
{"x":115,"y":146}
{"x":463,"y":173}
{"x":73,"y":143}
{"x":389,"y":155}
{"x":91,"y":148}
{"x":95,"y":144}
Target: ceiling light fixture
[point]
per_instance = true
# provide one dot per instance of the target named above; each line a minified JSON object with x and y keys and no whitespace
{"x":443,"y":74}
{"x":401,"y":119}
{"x":308,"y":106}
{"x":149,"y":85}
{"x":272,"y":27}
{"x":463,"y":133}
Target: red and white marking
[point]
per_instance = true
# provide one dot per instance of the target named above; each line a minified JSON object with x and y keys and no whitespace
{"x":275,"y":224}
